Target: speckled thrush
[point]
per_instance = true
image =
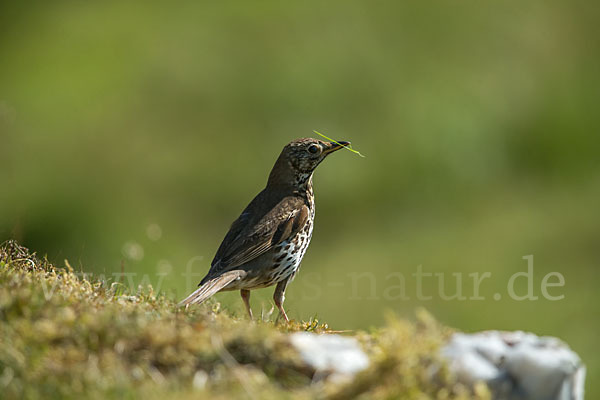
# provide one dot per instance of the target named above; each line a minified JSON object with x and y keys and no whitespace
{"x":265,"y":245}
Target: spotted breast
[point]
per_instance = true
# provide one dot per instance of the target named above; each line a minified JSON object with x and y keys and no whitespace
{"x":288,"y":255}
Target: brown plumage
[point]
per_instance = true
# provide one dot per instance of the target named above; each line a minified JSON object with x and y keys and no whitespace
{"x":265,"y":245}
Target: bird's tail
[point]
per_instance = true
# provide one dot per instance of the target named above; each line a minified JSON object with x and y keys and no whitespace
{"x":211,"y":287}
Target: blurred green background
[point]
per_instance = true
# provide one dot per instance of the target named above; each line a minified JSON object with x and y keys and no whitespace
{"x":134,"y":134}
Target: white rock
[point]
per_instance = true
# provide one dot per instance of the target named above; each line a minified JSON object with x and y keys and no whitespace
{"x":334,"y":356}
{"x":517,"y":365}
{"x":200,"y":380}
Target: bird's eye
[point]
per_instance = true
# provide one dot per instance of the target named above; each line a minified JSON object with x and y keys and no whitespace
{"x":314,"y":149}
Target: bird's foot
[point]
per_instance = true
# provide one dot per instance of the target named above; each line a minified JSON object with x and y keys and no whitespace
{"x":282,"y":314}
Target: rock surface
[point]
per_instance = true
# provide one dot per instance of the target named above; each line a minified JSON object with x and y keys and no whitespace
{"x":332,"y":356}
{"x":517,"y":365}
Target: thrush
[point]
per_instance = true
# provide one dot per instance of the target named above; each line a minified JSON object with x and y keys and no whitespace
{"x":266,"y":244}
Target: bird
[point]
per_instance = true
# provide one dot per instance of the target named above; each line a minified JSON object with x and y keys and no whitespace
{"x":266,"y":243}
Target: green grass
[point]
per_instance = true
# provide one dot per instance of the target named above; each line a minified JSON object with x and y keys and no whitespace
{"x":63,"y":336}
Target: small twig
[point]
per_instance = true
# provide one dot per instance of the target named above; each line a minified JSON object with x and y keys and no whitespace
{"x":122,"y":270}
{"x":231,"y":363}
{"x":347,"y":147}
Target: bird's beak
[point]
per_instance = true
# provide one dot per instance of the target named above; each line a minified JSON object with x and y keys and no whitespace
{"x":335,"y":146}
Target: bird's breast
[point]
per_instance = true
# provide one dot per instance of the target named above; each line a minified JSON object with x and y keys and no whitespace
{"x":288,"y":255}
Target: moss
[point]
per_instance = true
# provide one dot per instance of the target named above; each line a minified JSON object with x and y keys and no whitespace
{"x":63,"y":336}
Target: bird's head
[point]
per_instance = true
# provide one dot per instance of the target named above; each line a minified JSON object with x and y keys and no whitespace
{"x":299,"y":159}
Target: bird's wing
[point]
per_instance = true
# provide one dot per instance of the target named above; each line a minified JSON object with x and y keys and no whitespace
{"x":253,"y":235}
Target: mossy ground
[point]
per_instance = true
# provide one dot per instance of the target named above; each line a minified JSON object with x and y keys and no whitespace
{"x":64,"y":336}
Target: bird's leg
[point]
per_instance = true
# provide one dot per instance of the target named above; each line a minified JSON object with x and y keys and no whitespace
{"x":246,"y":297}
{"x":279,"y":297}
